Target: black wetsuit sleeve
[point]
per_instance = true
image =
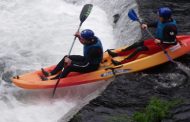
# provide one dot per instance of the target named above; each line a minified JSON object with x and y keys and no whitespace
{"x":169,"y":34}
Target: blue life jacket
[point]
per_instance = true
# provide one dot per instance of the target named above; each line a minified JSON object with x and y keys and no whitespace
{"x":160,"y":28}
{"x":97,"y":59}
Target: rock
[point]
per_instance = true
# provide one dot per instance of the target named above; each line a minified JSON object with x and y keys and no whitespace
{"x":180,"y":114}
{"x":116,"y":18}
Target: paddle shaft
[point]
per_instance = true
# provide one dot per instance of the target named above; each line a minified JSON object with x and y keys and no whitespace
{"x":166,"y":53}
{"x":68,"y":56}
{"x":74,"y":40}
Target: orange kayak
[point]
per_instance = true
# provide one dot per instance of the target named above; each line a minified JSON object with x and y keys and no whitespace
{"x":107,"y":70}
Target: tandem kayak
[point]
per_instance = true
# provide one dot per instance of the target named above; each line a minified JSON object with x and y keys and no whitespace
{"x":107,"y":70}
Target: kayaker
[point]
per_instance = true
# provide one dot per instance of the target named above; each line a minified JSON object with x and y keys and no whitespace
{"x":165,"y":35}
{"x":93,"y":54}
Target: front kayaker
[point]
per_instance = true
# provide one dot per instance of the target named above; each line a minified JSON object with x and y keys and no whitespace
{"x":93,"y":54}
{"x":165,"y":35}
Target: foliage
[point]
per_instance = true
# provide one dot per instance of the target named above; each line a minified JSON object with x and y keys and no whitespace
{"x":155,"y":111}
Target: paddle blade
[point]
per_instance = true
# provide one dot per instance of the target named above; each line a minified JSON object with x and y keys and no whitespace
{"x":85,"y":12}
{"x":132,"y":15}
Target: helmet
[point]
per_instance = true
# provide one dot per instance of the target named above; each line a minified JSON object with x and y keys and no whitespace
{"x":165,"y":12}
{"x":87,"y":34}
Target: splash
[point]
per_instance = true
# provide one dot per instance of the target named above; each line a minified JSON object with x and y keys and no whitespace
{"x":37,"y":34}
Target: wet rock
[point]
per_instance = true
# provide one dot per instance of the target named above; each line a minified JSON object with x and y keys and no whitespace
{"x":180,"y":114}
{"x":116,"y":18}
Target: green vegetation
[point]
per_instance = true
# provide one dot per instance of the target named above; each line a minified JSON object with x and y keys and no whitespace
{"x":155,"y":111}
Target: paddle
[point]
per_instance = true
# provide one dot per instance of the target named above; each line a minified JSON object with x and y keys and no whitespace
{"x":133,"y":16}
{"x":83,"y":16}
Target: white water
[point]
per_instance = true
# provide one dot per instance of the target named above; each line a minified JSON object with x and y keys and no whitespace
{"x":38,"y":33}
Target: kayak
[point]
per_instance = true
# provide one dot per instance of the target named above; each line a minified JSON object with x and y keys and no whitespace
{"x":107,"y":70}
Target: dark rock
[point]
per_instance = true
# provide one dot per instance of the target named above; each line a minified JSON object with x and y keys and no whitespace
{"x":116,"y":18}
{"x":180,"y":114}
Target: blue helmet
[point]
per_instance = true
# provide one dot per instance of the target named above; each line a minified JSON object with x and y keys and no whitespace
{"x":87,"y":34}
{"x":165,"y":12}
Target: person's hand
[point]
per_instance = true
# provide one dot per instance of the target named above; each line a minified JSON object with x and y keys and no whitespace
{"x":157,"y":41}
{"x":77,"y":34}
{"x":144,"y":26}
{"x":67,"y":61}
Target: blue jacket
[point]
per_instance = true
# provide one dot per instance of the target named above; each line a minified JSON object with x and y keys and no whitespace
{"x":94,"y":52}
{"x":160,"y":34}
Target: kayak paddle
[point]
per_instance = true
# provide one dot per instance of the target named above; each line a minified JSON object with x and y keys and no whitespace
{"x":83,"y":16}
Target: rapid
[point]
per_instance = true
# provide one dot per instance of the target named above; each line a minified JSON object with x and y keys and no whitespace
{"x":35,"y":34}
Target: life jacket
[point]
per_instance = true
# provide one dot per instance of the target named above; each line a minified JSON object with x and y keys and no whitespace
{"x":96,"y":59}
{"x":161,"y":26}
